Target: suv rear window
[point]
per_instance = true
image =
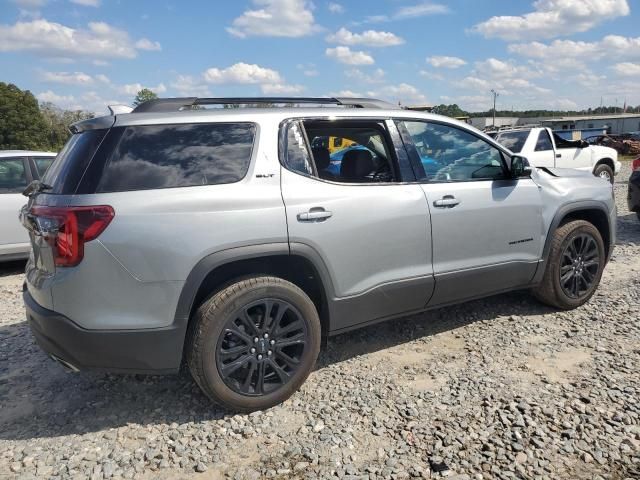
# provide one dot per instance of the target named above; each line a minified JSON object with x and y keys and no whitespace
{"x":69,"y":166}
{"x":165,"y":156}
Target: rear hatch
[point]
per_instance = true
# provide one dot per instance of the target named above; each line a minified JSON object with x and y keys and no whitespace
{"x":57,"y":229}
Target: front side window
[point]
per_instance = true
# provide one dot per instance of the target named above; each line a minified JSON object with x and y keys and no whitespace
{"x":13,"y":177}
{"x":544,"y":142}
{"x":166,"y":156}
{"x":449,"y":154}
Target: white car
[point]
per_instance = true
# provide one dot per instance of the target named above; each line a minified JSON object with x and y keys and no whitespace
{"x":17,"y":169}
{"x":545,"y":149}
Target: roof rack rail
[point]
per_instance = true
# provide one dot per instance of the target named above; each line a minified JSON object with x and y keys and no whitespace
{"x":187,"y":103}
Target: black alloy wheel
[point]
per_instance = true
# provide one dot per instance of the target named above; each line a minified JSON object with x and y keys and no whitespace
{"x":580,"y":264}
{"x":261,"y":347}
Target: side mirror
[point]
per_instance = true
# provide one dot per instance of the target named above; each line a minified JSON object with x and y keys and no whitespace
{"x":520,"y":167}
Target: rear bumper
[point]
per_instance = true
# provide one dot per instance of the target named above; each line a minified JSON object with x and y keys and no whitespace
{"x":154,"y":351}
{"x":633,"y":196}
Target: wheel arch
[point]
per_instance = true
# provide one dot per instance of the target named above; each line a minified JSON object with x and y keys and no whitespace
{"x":592,"y":211}
{"x":605,"y":161}
{"x":219,"y":269}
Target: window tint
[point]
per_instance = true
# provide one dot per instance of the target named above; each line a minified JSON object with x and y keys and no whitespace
{"x":69,"y":166}
{"x":544,"y":142}
{"x":449,"y":154}
{"x":297,"y":158}
{"x":514,"y":141}
{"x":42,"y":164}
{"x":166,"y":156}
{"x":13,"y":177}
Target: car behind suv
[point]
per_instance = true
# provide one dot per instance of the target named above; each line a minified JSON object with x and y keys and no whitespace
{"x":233,"y":239}
{"x":17,"y":169}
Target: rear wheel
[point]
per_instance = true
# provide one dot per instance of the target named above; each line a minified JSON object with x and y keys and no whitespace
{"x":254,"y":343}
{"x":604,"y":171}
{"x":574,"y":266}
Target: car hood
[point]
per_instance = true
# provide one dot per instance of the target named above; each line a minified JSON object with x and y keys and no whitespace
{"x":566,"y":172}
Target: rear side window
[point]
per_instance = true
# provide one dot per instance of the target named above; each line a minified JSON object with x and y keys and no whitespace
{"x":544,"y":142}
{"x":13,"y":177}
{"x":165,"y":156}
{"x":42,"y":164}
{"x":514,"y":141}
{"x":72,"y":161}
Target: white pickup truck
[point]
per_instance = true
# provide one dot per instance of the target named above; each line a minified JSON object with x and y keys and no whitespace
{"x":543,"y":148}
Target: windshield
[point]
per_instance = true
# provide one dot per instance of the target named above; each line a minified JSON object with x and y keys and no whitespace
{"x":514,"y":141}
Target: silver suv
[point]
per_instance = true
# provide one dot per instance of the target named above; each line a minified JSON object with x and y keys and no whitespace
{"x":236,"y":239}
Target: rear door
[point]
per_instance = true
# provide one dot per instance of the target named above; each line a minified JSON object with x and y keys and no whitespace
{"x":14,"y":178}
{"x":486,"y":227}
{"x":369,"y":229}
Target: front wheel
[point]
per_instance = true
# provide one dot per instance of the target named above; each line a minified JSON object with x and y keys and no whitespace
{"x":254,"y":343}
{"x":574,"y":267}
{"x":604,"y":171}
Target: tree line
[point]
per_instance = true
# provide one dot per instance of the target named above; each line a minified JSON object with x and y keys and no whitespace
{"x":26,"y":124}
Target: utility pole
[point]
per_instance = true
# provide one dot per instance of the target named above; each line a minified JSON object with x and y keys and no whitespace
{"x":495,"y":95}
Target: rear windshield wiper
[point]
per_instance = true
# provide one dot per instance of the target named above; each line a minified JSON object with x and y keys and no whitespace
{"x":36,"y":187}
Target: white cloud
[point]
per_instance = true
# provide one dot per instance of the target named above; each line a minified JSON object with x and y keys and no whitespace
{"x":188,"y":86}
{"x":334,"y":7}
{"x":68,"y":78}
{"x":439,"y":61}
{"x":49,"y":96}
{"x":345,"y":93}
{"x":134,"y":88}
{"x":276,"y":18}
{"x":281,"y":89}
{"x":377,"y":76}
{"x":411,"y":11}
{"x":370,"y":38}
{"x":558,"y":51}
{"x":420,"y":10}
{"x":347,"y":56}
{"x":553,"y":18}
{"x":627,"y":69}
{"x":146,"y":44}
{"x":403,"y":92}
{"x":431,"y":75}
{"x":86,"y":3}
{"x":50,"y":39}
{"x":242,"y":73}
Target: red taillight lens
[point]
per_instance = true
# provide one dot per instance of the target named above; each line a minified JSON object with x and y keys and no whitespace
{"x":636,"y":164}
{"x":68,"y":228}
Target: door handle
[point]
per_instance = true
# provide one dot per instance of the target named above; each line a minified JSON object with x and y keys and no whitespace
{"x":558,"y":155}
{"x":316,"y":214}
{"x":448,"y":201}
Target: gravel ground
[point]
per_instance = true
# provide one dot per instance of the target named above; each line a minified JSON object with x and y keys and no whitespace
{"x":496,"y":388}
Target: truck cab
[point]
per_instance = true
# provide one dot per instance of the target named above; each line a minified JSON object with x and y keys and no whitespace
{"x":543,"y":148}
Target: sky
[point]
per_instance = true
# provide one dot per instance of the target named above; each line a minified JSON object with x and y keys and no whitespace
{"x":542,"y":54}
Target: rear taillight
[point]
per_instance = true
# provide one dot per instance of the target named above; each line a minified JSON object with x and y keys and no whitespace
{"x":67,"y":229}
{"x":635,"y":166}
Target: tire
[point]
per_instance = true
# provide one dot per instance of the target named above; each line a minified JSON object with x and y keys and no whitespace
{"x":604,"y":171}
{"x":225,"y":363}
{"x":551,"y":290}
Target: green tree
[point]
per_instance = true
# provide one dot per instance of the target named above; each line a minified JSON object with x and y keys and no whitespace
{"x":58,"y":122}
{"x":144,"y":95}
{"x":21,"y":124}
{"x":449,"y":110}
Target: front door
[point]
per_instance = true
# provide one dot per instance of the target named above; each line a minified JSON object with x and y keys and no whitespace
{"x":351,"y":208}
{"x":486,"y":227}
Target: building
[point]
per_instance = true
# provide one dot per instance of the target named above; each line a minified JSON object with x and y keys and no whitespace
{"x":615,"y":124}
